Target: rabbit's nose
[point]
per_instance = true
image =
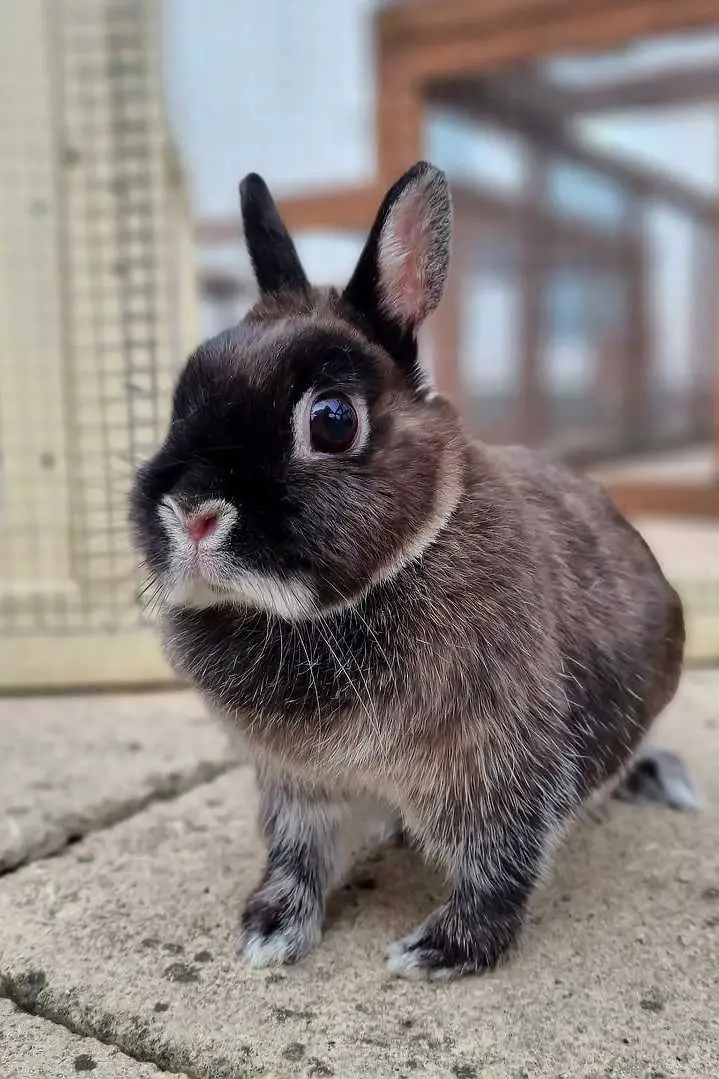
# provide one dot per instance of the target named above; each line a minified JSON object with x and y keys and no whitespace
{"x":201,"y":525}
{"x":208,"y":522}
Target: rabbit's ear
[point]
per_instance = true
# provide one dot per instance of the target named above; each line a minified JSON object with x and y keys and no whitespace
{"x":273,"y":254}
{"x":401,"y":272}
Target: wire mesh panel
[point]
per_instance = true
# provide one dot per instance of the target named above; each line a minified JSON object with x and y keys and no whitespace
{"x":96,"y":307}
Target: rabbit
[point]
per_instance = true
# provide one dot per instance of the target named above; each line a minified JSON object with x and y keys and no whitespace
{"x":404,"y":625}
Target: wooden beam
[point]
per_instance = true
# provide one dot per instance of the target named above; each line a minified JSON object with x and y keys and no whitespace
{"x":413,"y":21}
{"x":529,"y":88}
{"x":400,"y":117}
{"x":666,"y":499}
{"x":451,"y":41}
{"x":534,"y":239}
{"x":532,"y":87}
{"x":679,"y":86}
{"x":481,"y":100}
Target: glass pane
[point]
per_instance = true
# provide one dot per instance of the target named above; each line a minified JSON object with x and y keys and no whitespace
{"x":329,"y":257}
{"x":573,"y":189}
{"x":584,"y":321}
{"x":596,"y":332}
{"x":476,"y":151}
{"x":489,"y":360}
{"x":670,"y":241}
{"x":673,"y":140}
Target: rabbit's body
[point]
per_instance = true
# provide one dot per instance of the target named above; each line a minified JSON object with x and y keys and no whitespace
{"x":568,"y":686}
{"x":471,"y":640}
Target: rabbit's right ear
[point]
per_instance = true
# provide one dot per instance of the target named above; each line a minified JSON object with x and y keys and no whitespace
{"x":274,"y":256}
{"x":401,"y":272}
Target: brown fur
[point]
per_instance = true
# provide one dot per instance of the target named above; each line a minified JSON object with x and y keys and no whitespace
{"x":470,"y":639}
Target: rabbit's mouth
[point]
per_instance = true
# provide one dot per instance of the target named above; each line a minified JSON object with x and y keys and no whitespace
{"x":218,"y":582}
{"x":195,"y":592}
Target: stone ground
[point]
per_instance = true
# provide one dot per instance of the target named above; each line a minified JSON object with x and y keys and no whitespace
{"x":127,"y":841}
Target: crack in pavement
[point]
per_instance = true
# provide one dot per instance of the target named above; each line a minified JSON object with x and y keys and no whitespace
{"x":166,"y":788}
{"x":24,"y":991}
{"x":30,"y":992}
{"x":81,"y":1034}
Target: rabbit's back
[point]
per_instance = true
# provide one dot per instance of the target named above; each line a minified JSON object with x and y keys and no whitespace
{"x":618,"y":622}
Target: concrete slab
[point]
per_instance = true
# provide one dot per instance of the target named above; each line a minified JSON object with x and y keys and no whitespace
{"x":127,"y":937}
{"x":32,"y":1048}
{"x":71,"y":764}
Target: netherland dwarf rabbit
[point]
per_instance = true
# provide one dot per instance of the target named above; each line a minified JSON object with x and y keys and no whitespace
{"x":470,"y":638}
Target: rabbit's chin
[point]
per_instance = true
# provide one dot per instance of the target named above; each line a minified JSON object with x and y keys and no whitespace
{"x":288,"y":598}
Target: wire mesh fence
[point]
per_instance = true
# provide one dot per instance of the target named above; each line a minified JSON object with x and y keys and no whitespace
{"x":98,"y":306}
{"x":96,"y":296}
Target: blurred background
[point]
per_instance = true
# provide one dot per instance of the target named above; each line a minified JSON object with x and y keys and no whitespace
{"x":582,"y":144}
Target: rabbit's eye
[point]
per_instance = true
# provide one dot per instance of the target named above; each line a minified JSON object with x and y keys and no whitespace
{"x":333,"y":424}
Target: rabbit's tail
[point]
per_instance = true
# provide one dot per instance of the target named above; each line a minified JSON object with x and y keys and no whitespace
{"x":658,"y":777}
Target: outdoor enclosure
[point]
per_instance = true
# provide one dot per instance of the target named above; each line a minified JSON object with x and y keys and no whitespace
{"x":582,"y":146}
{"x":96,"y":306}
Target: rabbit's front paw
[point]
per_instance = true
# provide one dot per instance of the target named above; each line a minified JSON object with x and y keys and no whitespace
{"x":443,"y":948}
{"x":277,"y":929}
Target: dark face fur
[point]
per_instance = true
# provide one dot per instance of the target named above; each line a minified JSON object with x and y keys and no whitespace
{"x":307,"y":455}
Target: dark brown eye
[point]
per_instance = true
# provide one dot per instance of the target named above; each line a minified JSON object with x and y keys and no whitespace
{"x":333,"y":424}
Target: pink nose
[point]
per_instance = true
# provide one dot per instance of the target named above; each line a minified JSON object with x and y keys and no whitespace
{"x":201,"y":526}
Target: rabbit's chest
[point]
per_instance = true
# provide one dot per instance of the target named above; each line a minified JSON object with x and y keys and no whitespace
{"x":310,"y":689}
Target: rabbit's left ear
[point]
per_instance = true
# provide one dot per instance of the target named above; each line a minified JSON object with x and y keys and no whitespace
{"x":274,"y":257}
{"x":401,"y":272}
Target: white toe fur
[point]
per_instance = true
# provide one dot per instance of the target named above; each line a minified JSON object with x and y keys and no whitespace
{"x":277,"y":948}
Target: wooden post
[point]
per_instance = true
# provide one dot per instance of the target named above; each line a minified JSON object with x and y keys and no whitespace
{"x":400,"y":115}
{"x":532,"y":284}
{"x":711,"y":287}
{"x":639,"y":351}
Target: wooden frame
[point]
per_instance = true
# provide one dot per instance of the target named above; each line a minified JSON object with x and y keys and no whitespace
{"x":675,"y":87}
{"x":421,"y":47}
{"x":662,"y":499}
{"x":422,"y":43}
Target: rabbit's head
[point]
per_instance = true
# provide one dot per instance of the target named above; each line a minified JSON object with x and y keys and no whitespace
{"x":308,"y":456}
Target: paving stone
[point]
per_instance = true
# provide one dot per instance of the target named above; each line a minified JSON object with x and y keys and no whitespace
{"x":71,"y":764}
{"x":32,"y":1048}
{"x":127,"y":937}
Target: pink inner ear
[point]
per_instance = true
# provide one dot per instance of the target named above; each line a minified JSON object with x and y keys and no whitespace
{"x":404,"y":256}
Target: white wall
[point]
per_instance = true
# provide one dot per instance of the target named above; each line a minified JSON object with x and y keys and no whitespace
{"x":280,"y":87}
